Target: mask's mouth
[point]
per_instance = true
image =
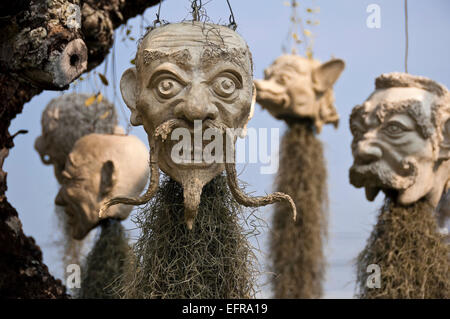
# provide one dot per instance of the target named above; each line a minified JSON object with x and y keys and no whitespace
{"x":191,"y":156}
{"x":189,"y":149}
{"x":379,"y":176}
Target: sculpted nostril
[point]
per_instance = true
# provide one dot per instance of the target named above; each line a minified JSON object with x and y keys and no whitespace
{"x":192,"y":112}
{"x":367,"y":154}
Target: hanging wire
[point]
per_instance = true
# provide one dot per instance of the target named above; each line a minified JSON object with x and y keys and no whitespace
{"x":298,"y":36}
{"x":196,"y":10}
{"x":117,"y":100}
{"x":232,"y":24}
{"x":158,"y":20}
{"x":406,"y":36}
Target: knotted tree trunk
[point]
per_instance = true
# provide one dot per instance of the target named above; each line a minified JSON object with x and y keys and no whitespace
{"x":44,"y":45}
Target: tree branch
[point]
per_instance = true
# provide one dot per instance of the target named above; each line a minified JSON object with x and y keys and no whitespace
{"x":44,"y":45}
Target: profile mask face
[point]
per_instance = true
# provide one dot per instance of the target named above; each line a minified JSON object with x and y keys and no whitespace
{"x":297,"y":88}
{"x":191,"y":79}
{"x":97,"y":169}
{"x":401,"y":139}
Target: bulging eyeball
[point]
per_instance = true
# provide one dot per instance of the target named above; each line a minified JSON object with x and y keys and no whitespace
{"x":168,"y":88}
{"x":225,"y":85}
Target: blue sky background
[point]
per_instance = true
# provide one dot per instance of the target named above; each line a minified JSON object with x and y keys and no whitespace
{"x":264,"y":24}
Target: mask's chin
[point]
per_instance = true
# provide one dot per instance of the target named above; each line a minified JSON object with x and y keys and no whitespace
{"x":411,"y":195}
{"x":192,"y":177}
{"x":305,"y":109}
{"x":80,"y":223}
{"x":78,"y":231}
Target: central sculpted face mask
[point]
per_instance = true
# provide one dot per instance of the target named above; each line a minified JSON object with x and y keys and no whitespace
{"x":191,"y":79}
{"x":188,"y":73}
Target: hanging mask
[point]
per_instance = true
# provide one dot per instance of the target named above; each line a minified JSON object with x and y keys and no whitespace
{"x":97,"y":169}
{"x":401,"y":139}
{"x":296,"y":88}
{"x":192,"y":81}
{"x":65,"y":120}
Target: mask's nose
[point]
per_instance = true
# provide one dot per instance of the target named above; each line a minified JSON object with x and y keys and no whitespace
{"x":367,"y":152}
{"x":269,"y":86}
{"x":197,"y":105}
{"x":59,"y":200}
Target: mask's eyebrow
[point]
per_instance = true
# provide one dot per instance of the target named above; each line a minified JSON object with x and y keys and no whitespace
{"x":168,"y":68}
{"x":66,"y":174}
{"x":180,"y":57}
{"x":357,"y":113}
{"x":211,"y":56}
{"x":413,"y":108}
{"x":71,"y":177}
{"x":293,"y":68}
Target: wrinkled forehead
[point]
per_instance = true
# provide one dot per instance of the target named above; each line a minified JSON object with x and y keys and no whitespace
{"x":194,"y":42}
{"x":393,"y":97}
{"x":192,"y":35}
{"x":415,"y":102}
{"x":291,"y":64}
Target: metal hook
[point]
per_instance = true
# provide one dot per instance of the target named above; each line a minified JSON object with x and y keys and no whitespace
{"x":196,"y":10}
{"x":232,"y":25}
{"x":158,"y":15}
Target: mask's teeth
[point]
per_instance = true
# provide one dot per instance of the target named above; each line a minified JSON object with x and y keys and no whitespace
{"x":371,"y":193}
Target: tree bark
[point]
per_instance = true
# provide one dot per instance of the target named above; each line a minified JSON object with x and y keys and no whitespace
{"x":44,"y":45}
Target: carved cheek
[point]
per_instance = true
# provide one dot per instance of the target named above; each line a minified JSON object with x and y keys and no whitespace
{"x":410,"y":144}
{"x":421,"y":148}
{"x":300,"y":89}
{"x":151,"y":109}
{"x":235,"y":114}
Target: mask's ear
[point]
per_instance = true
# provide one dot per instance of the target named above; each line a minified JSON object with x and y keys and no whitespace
{"x":243,"y":132}
{"x":128,"y":88}
{"x":41,"y":147}
{"x":325,"y":75}
{"x":444,"y":147}
{"x":107,"y":179}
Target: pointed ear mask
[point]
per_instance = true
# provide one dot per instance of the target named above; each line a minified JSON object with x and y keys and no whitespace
{"x":129,"y":90}
{"x":325,"y":75}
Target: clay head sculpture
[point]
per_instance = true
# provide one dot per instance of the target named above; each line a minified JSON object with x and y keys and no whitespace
{"x":192,"y":76}
{"x":300,"y":88}
{"x":100,"y":167}
{"x":401,"y":139}
{"x":65,"y":120}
